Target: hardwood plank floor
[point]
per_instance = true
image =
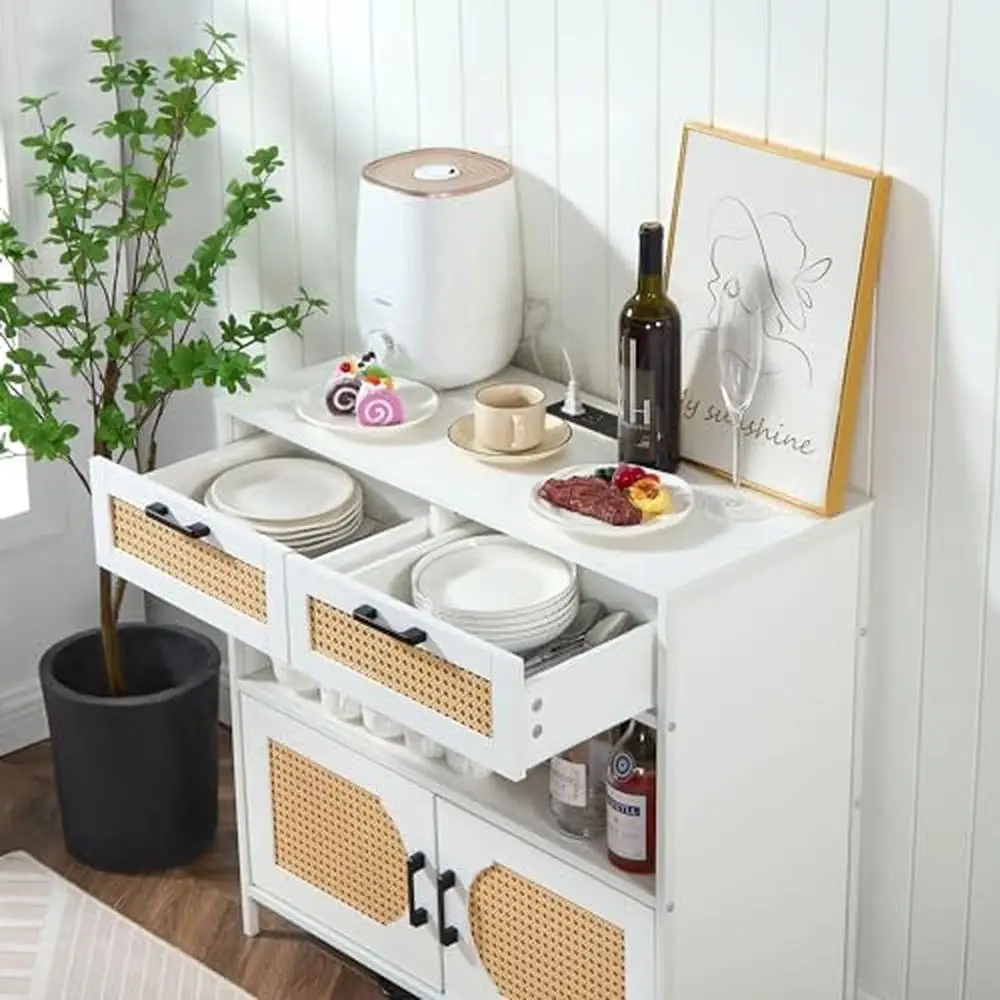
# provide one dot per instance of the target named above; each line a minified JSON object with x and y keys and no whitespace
{"x":195,"y":908}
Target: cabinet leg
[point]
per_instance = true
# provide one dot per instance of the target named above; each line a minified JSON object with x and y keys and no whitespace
{"x":251,"y":917}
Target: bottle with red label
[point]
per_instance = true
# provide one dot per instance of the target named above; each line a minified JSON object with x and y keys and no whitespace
{"x":631,"y":801}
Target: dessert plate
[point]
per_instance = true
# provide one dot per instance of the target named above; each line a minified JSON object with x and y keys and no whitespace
{"x":680,"y":491}
{"x":556,"y":436}
{"x":420,"y":403}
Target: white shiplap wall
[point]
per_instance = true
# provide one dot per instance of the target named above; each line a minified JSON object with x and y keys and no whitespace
{"x":588,"y":97}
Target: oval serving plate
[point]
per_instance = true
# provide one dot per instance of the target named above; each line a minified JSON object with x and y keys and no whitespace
{"x":680,"y":491}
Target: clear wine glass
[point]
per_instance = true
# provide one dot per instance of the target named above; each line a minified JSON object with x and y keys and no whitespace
{"x":740,"y":354}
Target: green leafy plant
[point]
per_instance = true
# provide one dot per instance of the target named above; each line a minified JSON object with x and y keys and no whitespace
{"x":96,"y":295}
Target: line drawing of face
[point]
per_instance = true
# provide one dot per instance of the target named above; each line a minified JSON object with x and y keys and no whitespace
{"x":763,"y":263}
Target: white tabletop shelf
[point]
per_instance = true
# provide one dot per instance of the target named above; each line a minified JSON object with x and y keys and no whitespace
{"x":421,"y":461}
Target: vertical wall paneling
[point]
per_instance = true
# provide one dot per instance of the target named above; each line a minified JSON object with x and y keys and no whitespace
{"x":316,"y":183}
{"x":633,"y":142}
{"x":855,"y":123}
{"x":581,"y":46}
{"x":354,"y":134}
{"x":796,"y":111}
{"x":915,"y":98}
{"x":742,"y":44}
{"x":982,"y":957}
{"x":273,"y":125}
{"x":687,"y":83}
{"x":394,"y":71}
{"x":485,"y":47}
{"x":535,"y":153}
{"x":439,"y":72}
{"x":963,"y":455}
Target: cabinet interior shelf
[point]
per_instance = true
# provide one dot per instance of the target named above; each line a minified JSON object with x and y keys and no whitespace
{"x":521,"y":808}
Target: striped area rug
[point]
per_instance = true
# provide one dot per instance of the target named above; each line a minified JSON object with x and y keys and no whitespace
{"x":58,"y":943}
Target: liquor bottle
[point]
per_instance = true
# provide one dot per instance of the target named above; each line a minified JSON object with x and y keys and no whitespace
{"x":576,"y":787}
{"x":649,"y":365}
{"x":631,"y":801}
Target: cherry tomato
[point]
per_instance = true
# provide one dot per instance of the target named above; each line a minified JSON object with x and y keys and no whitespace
{"x":626,"y":475}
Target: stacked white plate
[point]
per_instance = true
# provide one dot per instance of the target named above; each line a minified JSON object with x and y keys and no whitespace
{"x":308,"y":505}
{"x":500,"y":590}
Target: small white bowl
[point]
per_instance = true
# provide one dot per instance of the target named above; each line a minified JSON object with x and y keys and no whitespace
{"x":381,"y":725}
{"x":422,"y":746}
{"x":340,"y":705}
{"x":462,"y":765}
{"x":299,"y":682}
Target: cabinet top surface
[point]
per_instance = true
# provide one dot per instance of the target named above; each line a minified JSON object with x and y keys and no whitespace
{"x":421,"y":461}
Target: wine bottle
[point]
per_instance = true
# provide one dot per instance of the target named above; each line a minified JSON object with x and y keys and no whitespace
{"x":649,"y":365}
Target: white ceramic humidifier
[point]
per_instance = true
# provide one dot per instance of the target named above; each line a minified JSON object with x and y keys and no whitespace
{"x":440,"y":285}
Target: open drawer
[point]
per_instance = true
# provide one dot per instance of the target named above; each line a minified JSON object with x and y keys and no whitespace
{"x":353,"y":628}
{"x":154,"y":531}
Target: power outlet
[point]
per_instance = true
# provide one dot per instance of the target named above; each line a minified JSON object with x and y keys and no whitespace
{"x":592,"y":419}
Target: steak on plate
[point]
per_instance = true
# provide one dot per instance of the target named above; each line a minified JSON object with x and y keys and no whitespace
{"x":591,"y":497}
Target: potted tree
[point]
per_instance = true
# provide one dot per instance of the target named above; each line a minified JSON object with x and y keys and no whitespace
{"x":132,"y":708}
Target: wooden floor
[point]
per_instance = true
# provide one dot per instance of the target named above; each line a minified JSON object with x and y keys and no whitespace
{"x":196,"y":908}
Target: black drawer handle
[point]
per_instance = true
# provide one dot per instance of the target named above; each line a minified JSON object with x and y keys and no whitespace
{"x":415,"y":863}
{"x":446,"y":935}
{"x":369,"y":616}
{"x":160,"y":513}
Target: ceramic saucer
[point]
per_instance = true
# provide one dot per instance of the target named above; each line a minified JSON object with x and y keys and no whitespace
{"x":556,"y":436}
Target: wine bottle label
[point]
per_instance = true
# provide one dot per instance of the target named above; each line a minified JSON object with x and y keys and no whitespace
{"x":627,"y":825}
{"x":568,"y":782}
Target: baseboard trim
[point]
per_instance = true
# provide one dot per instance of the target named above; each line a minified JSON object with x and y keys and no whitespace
{"x":22,"y":717}
{"x":22,"y":714}
{"x":865,"y":996}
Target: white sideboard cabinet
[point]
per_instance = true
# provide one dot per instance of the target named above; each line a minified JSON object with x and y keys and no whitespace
{"x":747,"y":655}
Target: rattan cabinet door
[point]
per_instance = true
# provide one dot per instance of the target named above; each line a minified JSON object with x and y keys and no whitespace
{"x":531,"y":928}
{"x":335,"y":836}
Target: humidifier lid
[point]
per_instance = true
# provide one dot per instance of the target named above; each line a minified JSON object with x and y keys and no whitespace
{"x":440,"y":172}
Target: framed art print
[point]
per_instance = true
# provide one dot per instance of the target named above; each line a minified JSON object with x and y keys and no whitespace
{"x":788,"y":244}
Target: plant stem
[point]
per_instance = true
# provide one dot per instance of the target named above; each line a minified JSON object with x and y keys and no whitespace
{"x":109,"y":636}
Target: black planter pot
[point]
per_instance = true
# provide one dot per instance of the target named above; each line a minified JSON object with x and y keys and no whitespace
{"x":137,"y":776}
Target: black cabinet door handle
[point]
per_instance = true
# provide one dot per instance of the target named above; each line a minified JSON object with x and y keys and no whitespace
{"x":447,"y":935}
{"x":415,"y":863}
{"x":160,"y":513}
{"x":369,"y":616}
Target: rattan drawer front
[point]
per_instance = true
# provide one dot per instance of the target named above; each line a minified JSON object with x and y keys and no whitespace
{"x":422,"y":677}
{"x":336,"y":836}
{"x":536,"y":945}
{"x":196,"y":563}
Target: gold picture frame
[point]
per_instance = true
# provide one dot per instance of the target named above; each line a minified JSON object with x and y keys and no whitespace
{"x":864,"y":225}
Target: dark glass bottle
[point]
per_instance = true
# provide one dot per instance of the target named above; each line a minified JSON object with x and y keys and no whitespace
{"x":649,"y":365}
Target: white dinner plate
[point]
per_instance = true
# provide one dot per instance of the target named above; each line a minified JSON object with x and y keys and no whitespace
{"x":535,"y":632}
{"x":680,"y":490}
{"x":283,"y":489}
{"x":506,"y":622}
{"x":285,"y":531}
{"x":420,"y":403}
{"x":491,"y":574}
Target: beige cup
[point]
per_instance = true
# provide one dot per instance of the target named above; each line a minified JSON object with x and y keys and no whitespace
{"x":509,"y":417}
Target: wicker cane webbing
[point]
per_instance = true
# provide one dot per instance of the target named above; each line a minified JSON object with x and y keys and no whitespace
{"x":336,"y":836}
{"x":538,"y":946}
{"x":197,"y":563}
{"x":424,"y":678}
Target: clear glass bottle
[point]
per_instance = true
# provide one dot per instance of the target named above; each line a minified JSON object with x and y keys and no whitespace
{"x":631,"y":801}
{"x":576,"y":787}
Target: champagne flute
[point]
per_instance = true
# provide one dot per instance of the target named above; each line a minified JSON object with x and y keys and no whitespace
{"x":740,"y":354}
